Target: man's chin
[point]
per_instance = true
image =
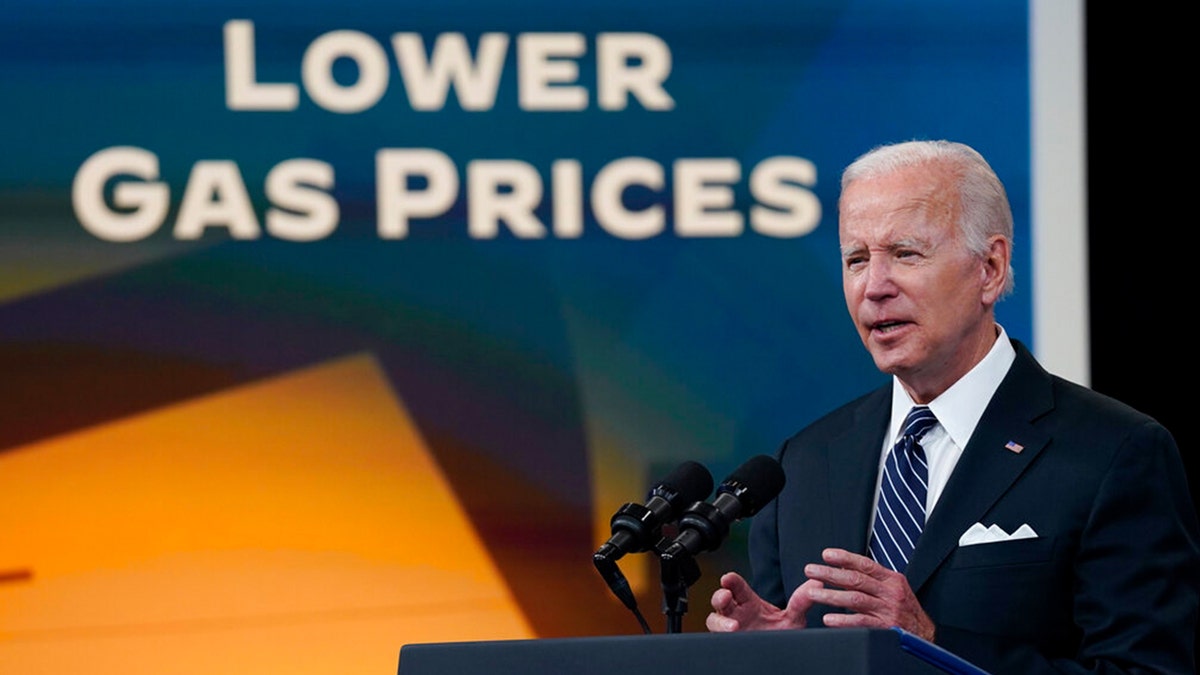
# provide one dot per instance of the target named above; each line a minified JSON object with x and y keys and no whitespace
{"x":890,"y":361}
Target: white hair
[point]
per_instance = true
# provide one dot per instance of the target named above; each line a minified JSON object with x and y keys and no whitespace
{"x":983,"y":203}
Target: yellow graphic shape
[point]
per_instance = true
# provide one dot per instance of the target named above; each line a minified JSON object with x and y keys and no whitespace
{"x":297,"y":525}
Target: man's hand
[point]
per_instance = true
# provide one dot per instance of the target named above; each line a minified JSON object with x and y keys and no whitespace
{"x":876,"y":596}
{"x":737,"y":607}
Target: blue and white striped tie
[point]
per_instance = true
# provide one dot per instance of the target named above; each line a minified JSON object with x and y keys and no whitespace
{"x":900,"y":515}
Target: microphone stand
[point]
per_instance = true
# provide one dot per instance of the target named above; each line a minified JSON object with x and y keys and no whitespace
{"x":678,"y":573}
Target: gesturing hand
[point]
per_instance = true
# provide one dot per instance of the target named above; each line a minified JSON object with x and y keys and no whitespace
{"x":876,"y":596}
{"x":737,"y":607}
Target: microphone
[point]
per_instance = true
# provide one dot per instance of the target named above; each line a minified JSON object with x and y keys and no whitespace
{"x":705,"y":525}
{"x":637,"y":528}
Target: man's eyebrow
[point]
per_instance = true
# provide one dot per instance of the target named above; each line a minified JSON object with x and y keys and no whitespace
{"x":909,"y":242}
{"x":906,"y":243}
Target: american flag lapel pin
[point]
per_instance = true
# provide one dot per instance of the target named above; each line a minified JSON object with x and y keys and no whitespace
{"x":1014,"y":446}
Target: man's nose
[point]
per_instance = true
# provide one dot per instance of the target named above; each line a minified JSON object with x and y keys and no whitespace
{"x":879,"y":283}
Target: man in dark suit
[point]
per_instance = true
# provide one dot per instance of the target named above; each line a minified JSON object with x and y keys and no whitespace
{"x":1023,"y":522}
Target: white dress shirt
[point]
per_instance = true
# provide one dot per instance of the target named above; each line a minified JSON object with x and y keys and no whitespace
{"x":958,"y":410}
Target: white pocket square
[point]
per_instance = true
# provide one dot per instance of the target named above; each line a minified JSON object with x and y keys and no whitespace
{"x":978,"y":534}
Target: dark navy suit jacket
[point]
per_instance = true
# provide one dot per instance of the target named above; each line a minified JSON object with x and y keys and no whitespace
{"x":1110,"y":585}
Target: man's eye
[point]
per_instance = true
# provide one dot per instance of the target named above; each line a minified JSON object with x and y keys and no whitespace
{"x":855,"y":261}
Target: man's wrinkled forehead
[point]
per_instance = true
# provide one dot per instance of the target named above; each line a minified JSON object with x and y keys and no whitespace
{"x":916,"y":191}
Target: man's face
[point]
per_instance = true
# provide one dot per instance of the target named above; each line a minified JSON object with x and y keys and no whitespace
{"x":922,"y":303}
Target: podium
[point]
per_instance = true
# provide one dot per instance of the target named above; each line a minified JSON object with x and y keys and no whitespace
{"x":817,"y":651}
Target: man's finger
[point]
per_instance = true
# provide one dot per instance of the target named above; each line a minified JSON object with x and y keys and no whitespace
{"x":836,"y":620}
{"x":717,"y":623}
{"x":802,"y":600}
{"x":722,"y":600}
{"x":844,"y":578}
{"x":838,"y":557}
{"x":854,"y":601}
{"x":738,"y":587}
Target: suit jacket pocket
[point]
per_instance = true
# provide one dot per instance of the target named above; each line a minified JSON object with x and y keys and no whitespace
{"x":1013,"y":588}
{"x":1013,"y":552}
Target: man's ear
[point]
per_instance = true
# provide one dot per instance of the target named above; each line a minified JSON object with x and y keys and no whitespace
{"x":994,"y":268}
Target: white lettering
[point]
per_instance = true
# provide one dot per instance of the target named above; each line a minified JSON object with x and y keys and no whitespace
{"x":777,"y":182}
{"x":547,"y":69}
{"x":608,"y":198}
{"x":566,"y":180}
{"x":148,"y":201}
{"x":703,"y":195}
{"x":398,"y":201}
{"x":216,"y":197}
{"x":618,"y":75}
{"x":428,"y":82}
{"x":368,"y":56}
{"x":242,"y":92}
{"x":545,"y":76}
{"x":302,"y":210}
{"x":487,"y":204}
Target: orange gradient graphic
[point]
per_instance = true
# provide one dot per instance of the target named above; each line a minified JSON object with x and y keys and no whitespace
{"x":309,"y":531}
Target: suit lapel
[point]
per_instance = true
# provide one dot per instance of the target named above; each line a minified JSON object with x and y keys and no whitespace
{"x":987,"y":467}
{"x":854,"y":465}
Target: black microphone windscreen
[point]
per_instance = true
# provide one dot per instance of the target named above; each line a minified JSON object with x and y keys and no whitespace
{"x":755,"y":483}
{"x":689,"y":482}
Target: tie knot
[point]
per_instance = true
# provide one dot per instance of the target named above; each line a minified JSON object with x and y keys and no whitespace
{"x":920,"y":420}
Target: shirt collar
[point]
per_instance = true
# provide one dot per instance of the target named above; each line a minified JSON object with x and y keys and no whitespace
{"x":960,"y":407}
